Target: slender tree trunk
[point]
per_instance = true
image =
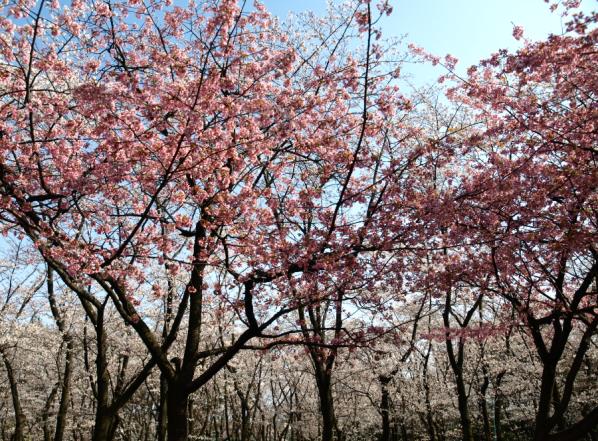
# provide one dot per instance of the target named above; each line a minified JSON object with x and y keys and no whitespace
{"x":461,"y":391}
{"x":244,"y":420}
{"x":546,"y":390}
{"x":456,"y":362}
{"x":498,"y":408}
{"x":46,"y":413}
{"x":106,"y":418}
{"x":323,"y":364}
{"x":191,"y":427}
{"x":61,"y":417}
{"x":429,"y":416}
{"x":487,"y":435}
{"x":497,"y":418}
{"x":385,"y":409}
{"x":404,"y":433}
{"x":20,"y":419}
{"x":178,"y":395}
{"x":65,"y":394}
{"x":463,"y":408}
{"x":163,"y":410}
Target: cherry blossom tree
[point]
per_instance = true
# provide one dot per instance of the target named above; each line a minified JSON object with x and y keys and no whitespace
{"x":201,"y":138}
{"x":530,"y":207}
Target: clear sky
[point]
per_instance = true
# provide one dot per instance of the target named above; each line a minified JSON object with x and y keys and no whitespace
{"x":467,"y":29}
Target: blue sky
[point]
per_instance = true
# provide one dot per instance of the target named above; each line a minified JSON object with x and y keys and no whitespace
{"x":467,"y":29}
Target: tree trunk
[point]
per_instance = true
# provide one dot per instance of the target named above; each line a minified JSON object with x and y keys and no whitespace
{"x":429,"y":416}
{"x":191,"y":427}
{"x":463,"y":408}
{"x":326,"y":405}
{"x":542,"y":428}
{"x":497,"y":418}
{"x":106,"y":419}
{"x":163,"y":410}
{"x":20,"y":419}
{"x":456,"y":362}
{"x":487,"y":436}
{"x":323,"y":364}
{"x":404,"y":433}
{"x":244,"y":419}
{"x":498,"y":408}
{"x":61,"y":418}
{"x":177,"y":409}
{"x":46,"y":413}
{"x":105,"y":425}
{"x":385,"y":409}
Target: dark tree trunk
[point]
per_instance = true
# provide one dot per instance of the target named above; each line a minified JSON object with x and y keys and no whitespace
{"x":20,"y":419}
{"x":385,"y":409}
{"x":487,"y":435}
{"x":498,"y":408}
{"x":429,"y":417}
{"x":178,"y":420}
{"x":456,"y":362}
{"x":65,"y":391}
{"x":542,"y":428}
{"x":323,"y":363}
{"x":191,"y":427}
{"x":244,"y":419}
{"x":105,"y":425}
{"x":162,"y":410}
{"x":463,"y":408}
{"x":65,"y":394}
{"x":106,"y":419}
{"x":404,"y":433}
{"x":46,"y":413}
{"x":461,"y":392}
{"x":497,"y":418}
{"x":326,"y":406}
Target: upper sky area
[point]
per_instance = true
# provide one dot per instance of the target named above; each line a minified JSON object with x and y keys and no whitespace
{"x":467,"y":29}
